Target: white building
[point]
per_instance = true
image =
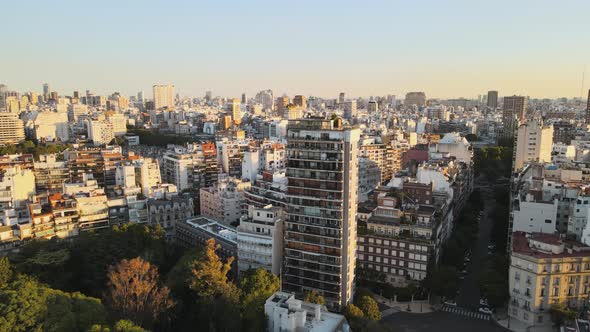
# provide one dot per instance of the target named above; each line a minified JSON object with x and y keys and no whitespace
{"x":533,"y":143}
{"x":100,"y":132}
{"x":287,"y":314}
{"x":534,"y":215}
{"x":452,"y":144}
{"x":260,"y":239}
{"x":50,"y":126}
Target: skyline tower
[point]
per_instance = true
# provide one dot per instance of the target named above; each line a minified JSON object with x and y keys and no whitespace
{"x":514,"y":106}
{"x":320,"y":231}
{"x":163,"y":96}
{"x":492,"y":99}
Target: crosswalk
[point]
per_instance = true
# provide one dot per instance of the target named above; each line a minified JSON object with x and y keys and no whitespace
{"x":465,"y":312}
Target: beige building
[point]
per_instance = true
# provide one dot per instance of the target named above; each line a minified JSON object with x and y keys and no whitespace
{"x":12,"y":129}
{"x":320,"y":230}
{"x":546,"y":270}
{"x":534,"y":142}
{"x":163,"y":96}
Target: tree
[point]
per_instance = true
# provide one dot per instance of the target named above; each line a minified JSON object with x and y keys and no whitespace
{"x":216,"y":295}
{"x":369,"y":307}
{"x":442,"y":281}
{"x":353,"y":312}
{"x":5,"y":271}
{"x":560,"y":314}
{"x":120,"y":326}
{"x":256,"y":286}
{"x":134,"y":291}
{"x":27,"y":305}
{"x":210,"y":275}
{"x":314,"y":296}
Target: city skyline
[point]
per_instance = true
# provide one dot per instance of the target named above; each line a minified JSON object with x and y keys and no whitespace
{"x":446,"y":50}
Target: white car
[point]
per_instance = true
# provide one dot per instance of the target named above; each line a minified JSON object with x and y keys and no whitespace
{"x":486,"y":311}
{"x":451,"y":303}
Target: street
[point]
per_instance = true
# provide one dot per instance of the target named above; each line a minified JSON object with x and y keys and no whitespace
{"x":439,"y":321}
{"x":469,"y":294}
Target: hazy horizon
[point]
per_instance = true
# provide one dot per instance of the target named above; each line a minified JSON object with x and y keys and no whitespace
{"x":448,"y":50}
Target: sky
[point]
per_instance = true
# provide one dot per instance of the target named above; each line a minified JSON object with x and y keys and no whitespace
{"x":446,"y":48}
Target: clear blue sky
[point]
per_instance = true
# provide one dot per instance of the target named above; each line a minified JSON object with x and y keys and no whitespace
{"x":445,"y":48}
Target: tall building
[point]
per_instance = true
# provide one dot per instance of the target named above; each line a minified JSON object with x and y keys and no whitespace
{"x":163,"y":96}
{"x":320,"y":231}
{"x":588,"y":109}
{"x":244,"y":99}
{"x":372,"y":106}
{"x":492,"y":99}
{"x":300,"y":101}
{"x":415,"y":98}
{"x":341,"y":98}
{"x":3,"y":89}
{"x":282,"y":103}
{"x":514,"y":107}
{"x":350,"y":109}
{"x":533,"y":143}
{"x":234,"y":109}
{"x":12,"y":129}
{"x":46,"y":90}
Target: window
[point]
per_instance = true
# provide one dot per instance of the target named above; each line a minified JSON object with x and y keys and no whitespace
{"x":547,"y":221}
{"x":370,"y":249}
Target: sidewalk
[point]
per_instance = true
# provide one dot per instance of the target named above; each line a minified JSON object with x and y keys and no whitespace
{"x":416,"y":307}
{"x":518,"y":326}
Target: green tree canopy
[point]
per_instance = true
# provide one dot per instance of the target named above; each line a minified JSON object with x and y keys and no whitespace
{"x":256,"y":286}
{"x":27,"y":305}
{"x":369,"y":307}
{"x":314,"y":296}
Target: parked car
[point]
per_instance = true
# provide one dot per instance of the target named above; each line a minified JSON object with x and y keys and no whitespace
{"x":485,"y":310}
{"x":451,"y":303}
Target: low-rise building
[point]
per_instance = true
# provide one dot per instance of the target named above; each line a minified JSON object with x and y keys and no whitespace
{"x":546,"y":270}
{"x":287,"y":314}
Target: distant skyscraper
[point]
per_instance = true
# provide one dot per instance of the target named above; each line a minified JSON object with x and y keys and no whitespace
{"x":300,"y":101}
{"x":320,"y":231}
{"x":164,"y":96}
{"x":244,"y":98}
{"x":588,"y":109}
{"x":46,"y":89}
{"x":266,"y":99}
{"x":140,"y":97}
{"x":341,"y":98}
{"x":282,"y":103}
{"x":514,"y":107}
{"x":208,"y":96}
{"x":76,"y":94}
{"x":234,"y":110}
{"x":492,"y":99}
{"x":415,"y":98}
{"x":372,"y":106}
{"x":350,"y":109}
{"x":3,"y":90}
